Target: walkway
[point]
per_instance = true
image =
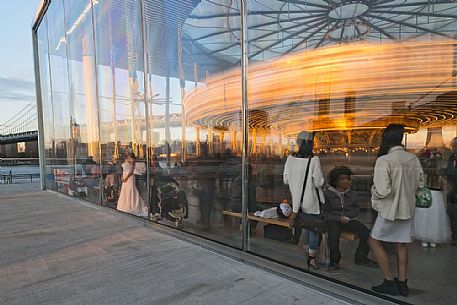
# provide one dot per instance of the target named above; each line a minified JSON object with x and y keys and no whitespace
{"x":59,"y":250}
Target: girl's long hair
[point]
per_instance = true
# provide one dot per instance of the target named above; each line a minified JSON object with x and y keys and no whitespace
{"x":391,"y":136}
{"x":306,"y":149}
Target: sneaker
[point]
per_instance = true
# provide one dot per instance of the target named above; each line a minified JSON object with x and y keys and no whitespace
{"x":424,"y":244}
{"x":332,"y":266}
{"x":154,"y":217}
{"x":366,"y":262}
{"x":433,"y":245}
{"x":403,"y":288}
{"x":387,"y":287}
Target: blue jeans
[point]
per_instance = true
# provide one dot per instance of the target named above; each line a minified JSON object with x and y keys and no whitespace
{"x":313,"y":241}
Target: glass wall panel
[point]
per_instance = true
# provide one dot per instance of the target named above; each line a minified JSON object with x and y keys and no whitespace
{"x":339,"y":74}
{"x":83,"y":95}
{"x":194,"y":151}
{"x":46,"y":100}
{"x":120,"y":71}
{"x":64,"y":168}
{"x":332,"y":75}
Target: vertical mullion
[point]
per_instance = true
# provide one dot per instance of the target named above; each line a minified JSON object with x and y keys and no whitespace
{"x":70,"y":101}
{"x":245,"y":125}
{"x":53,"y":159}
{"x":39,"y":105}
{"x":145,"y":96}
{"x":98,"y":102}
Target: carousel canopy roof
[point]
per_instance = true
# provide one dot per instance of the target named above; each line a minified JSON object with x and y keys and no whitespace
{"x":278,"y":27}
{"x":206,"y":33}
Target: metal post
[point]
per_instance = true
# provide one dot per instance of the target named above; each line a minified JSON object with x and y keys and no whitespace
{"x":167,"y":120}
{"x":39,"y":105}
{"x":145,"y":96}
{"x":245,"y":125}
{"x":72,"y":149}
{"x":51,"y":90}
{"x":98,"y":104}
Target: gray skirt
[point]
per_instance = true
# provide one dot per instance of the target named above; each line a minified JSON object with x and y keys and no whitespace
{"x":397,"y":231}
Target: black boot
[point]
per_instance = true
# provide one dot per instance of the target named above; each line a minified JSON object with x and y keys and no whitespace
{"x":332,"y":266}
{"x":366,"y":262}
{"x":387,"y":287}
{"x":403,"y":288}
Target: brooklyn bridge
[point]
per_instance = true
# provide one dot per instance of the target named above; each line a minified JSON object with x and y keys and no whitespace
{"x":21,"y":127}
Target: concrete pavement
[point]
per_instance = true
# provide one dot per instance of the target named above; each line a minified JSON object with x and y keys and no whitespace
{"x":59,"y":250}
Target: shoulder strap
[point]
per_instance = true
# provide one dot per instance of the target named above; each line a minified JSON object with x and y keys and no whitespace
{"x":306,"y":179}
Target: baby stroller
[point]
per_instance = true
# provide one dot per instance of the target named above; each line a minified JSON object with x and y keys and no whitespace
{"x":168,"y":202}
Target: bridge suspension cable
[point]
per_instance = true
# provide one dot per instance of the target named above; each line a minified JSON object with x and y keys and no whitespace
{"x":23,"y":121}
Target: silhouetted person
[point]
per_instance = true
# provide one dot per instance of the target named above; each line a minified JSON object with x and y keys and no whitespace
{"x":450,"y":172}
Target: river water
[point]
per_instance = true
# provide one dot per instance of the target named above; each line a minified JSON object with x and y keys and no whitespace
{"x":20,"y":169}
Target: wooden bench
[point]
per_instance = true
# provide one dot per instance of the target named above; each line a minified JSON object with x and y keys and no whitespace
{"x":284,"y":222}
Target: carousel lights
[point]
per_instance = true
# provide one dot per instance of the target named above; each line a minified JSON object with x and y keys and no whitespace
{"x":386,"y":81}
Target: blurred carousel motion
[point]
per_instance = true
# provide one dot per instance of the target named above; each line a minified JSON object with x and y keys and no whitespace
{"x":345,"y":69}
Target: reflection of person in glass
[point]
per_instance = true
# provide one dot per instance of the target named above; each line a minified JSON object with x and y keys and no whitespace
{"x":205,"y":189}
{"x":129,"y":199}
{"x":140,"y":176}
{"x":294,"y":176}
{"x":451,"y":176}
{"x":91,"y":179}
{"x":235,"y":203}
{"x":397,"y":177}
{"x":340,"y":211}
{"x":111,"y":180}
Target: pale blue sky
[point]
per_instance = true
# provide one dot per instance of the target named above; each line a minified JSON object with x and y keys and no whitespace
{"x":17,"y":85}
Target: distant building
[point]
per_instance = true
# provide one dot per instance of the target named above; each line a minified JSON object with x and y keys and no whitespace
{"x":19,"y":150}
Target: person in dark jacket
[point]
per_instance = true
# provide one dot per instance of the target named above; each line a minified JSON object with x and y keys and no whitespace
{"x":340,"y":212}
{"x":450,"y":172}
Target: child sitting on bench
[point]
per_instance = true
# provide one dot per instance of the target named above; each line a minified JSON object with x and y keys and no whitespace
{"x":340,"y":212}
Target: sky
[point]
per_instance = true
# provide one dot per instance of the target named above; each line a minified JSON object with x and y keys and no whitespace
{"x":17,"y":80}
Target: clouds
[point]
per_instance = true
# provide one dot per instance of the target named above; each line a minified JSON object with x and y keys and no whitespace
{"x":14,"y":89}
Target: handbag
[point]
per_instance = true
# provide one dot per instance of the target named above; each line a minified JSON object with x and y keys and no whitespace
{"x":312,"y":222}
{"x":423,"y":198}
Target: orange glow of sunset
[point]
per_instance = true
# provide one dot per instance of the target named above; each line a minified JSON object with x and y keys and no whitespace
{"x":340,"y":87}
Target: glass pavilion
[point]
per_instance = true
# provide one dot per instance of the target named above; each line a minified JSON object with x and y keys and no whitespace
{"x":213,"y":93}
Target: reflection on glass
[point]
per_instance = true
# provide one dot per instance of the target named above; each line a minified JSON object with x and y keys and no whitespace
{"x":120,"y":75}
{"x":46,"y":100}
{"x":83,"y":94}
{"x":196,"y":162}
{"x":64,"y":167}
{"x":167,"y":127}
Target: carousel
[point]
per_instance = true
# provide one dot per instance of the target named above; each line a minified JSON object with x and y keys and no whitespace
{"x":344,"y":70}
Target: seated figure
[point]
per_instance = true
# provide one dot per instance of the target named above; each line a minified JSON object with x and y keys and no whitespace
{"x":340,"y":212}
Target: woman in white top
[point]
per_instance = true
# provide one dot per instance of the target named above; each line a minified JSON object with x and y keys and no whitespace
{"x":397,"y":177}
{"x":294,"y":176}
{"x":129,"y":199}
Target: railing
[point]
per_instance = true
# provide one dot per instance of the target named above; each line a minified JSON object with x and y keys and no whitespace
{"x":19,"y":161}
{"x":18,"y":178}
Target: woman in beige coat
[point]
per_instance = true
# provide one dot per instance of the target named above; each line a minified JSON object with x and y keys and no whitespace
{"x":397,"y":177}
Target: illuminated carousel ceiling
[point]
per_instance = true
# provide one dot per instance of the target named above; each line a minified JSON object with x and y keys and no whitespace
{"x":278,"y":27}
{"x":360,"y":85}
